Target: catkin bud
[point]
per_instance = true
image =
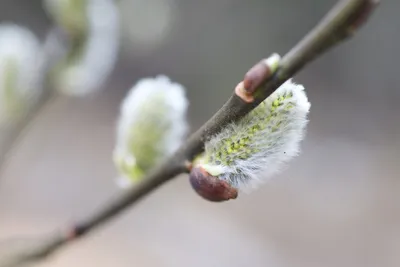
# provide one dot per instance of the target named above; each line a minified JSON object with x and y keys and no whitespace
{"x":93,"y":30}
{"x":253,"y":148}
{"x":69,"y":15}
{"x":151,"y":126}
{"x":19,"y":77}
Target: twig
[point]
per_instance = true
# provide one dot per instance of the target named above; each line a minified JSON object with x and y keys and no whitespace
{"x":51,"y":52}
{"x":57,"y":45}
{"x":11,"y":136}
{"x":339,"y":24}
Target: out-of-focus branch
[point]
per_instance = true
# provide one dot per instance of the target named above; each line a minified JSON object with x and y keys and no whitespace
{"x":63,"y":44}
{"x":51,"y":52}
{"x":59,"y":46}
{"x":9,"y":138}
{"x":339,"y":24}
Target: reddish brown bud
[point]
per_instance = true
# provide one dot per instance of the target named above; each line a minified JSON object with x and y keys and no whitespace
{"x":210,"y":187}
{"x":256,"y":76}
{"x":260,"y":73}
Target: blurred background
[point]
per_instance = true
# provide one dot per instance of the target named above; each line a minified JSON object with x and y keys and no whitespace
{"x":338,"y":204}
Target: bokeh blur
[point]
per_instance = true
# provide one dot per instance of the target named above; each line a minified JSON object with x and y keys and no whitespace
{"x":338,"y":204}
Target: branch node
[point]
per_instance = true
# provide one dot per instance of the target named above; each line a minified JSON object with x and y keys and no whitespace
{"x":241,"y":92}
{"x":188,"y":166}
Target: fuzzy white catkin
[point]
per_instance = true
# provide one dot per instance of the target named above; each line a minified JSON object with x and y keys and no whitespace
{"x":151,"y":126}
{"x":19,"y":76}
{"x":247,"y":152}
{"x":91,"y":70}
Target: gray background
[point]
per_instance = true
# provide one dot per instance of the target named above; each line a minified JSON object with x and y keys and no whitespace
{"x":338,"y":204}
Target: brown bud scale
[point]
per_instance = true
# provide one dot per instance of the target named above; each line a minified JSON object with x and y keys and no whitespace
{"x":210,"y":187}
{"x":258,"y":74}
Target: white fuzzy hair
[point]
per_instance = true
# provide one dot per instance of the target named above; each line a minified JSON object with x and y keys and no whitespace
{"x":152,"y":94}
{"x":20,"y":47}
{"x":270,"y":148}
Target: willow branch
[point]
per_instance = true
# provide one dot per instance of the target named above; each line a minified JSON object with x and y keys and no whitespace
{"x":52,"y":51}
{"x":14,"y":131}
{"x":338,"y":25}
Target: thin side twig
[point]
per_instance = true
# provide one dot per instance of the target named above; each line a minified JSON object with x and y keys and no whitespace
{"x":340,"y":23}
{"x":52,"y":51}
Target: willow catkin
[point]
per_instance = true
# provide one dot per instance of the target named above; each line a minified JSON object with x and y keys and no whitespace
{"x":247,"y":152}
{"x":151,"y":126}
